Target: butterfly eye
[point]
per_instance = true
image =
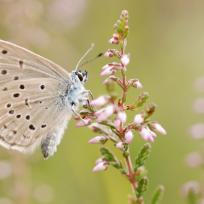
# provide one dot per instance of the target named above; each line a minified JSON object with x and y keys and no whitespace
{"x":80,"y":76}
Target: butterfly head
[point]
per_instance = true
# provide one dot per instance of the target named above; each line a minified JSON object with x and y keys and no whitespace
{"x":82,"y":76}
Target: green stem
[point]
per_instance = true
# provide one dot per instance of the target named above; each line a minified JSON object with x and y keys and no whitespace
{"x":131,"y":173}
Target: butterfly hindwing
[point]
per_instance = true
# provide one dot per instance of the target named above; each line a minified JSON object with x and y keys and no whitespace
{"x":30,"y":114}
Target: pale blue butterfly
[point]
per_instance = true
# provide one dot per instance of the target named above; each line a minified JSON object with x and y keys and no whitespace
{"x":37,"y":99}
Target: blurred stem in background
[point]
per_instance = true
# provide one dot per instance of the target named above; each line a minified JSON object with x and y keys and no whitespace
{"x":193,"y":190}
{"x":21,"y":179}
{"x":16,"y":180}
{"x":107,"y":116}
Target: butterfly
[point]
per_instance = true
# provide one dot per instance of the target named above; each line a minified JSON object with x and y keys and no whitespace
{"x":37,"y":99}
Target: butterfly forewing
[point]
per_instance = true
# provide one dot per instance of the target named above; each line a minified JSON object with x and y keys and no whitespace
{"x":30,"y":104}
{"x":27,"y":64}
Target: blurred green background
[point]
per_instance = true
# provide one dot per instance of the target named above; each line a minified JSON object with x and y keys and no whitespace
{"x":166,"y":43}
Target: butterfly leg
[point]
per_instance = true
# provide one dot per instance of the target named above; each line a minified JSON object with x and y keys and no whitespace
{"x":77,"y":114}
{"x":90,"y":94}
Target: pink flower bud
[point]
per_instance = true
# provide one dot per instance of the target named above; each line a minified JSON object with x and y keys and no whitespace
{"x":100,"y":166}
{"x":139,"y":119}
{"x":107,"y":70}
{"x":125,"y":60}
{"x":104,"y":113}
{"x":99,"y":160}
{"x":107,"y":66}
{"x":83,"y":122}
{"x":100,"y":101}
{"x":129,"y":136}
{"x":95,"y":127}
{"x":114,"y":39}
{"x":117,"y":123}
{"x":120,"y":145}
{"x":136,"y":83}
{"x":158,"y":128}
{"x":109,"y":53}
{"x":98,"y":140}
{"x":122,"y":116}
{"x":147,"y":134}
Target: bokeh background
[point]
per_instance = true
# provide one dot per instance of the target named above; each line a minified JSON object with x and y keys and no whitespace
{"x":166,"y":43}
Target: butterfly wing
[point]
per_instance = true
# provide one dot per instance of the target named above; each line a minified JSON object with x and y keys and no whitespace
{"x":30,"y":104}
{"x":19,"y":63}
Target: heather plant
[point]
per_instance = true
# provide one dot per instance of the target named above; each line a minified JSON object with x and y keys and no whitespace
{"x":107,"y":115}
{"x":193,"y":189}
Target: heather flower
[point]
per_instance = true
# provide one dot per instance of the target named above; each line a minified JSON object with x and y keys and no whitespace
{"x":110,"y":69}
{"x":122,"y":116}
{"x":147,"y":134}
{"x":99,"y":128}
{"x":139,"y":119}
{"x":114,"y":39}
{"x":84,"y":122}
{"x":98,"y":140}
{"x":129,"y":136}
{"x":100,"y":166}
{"x":111,"y":53}
{"x":99,"y":160}
{"x":113,"y":65}
{"x":120,"y":145}
{"x":107,"y":70}
{"x":100,"y":101}
{"x":125,"y":60}
{"x":104,"y":113}
{"x":157,"y":128}
{"x":135,"y":83}
{"x":117,"y":123}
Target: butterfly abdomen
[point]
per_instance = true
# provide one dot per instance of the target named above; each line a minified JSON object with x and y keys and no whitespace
{"x":50,"y":142}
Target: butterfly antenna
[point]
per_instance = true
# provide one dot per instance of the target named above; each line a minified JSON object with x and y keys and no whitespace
{"x":84,"y":55}
{"x":88,"y":61}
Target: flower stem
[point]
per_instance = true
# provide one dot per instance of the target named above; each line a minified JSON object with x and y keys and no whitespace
{"x":131,"y":173}
{"x":124,"y":87}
